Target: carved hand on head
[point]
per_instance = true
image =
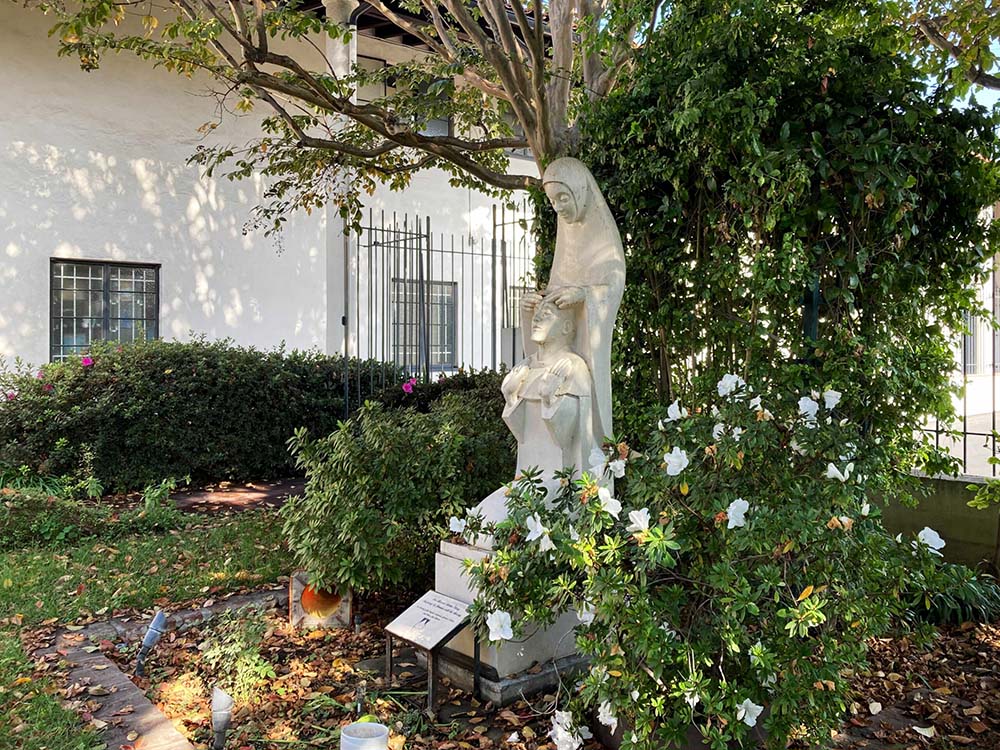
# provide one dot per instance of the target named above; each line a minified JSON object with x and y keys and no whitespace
{"x":567,"y":295}
{"x":529,"y":301}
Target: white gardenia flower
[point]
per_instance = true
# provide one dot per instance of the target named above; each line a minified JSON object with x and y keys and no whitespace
{"x":737,"y":431}
{"x":639,"y":521}
{"x":718,"y":431}
{"x":932,"y":539}
{"x":609,"y":504}
{"x":675,"y":411}
{"x":866,"y":509}
{"x":831,"y":398}
{"x":586,"y":614}
{"x":729,"y":383}
{"x":574,"y":535}
{"x":670,"y":632}
{"x":755,"y":403}
{"x":457,"y":525}
{"x":808,"y":408}
{"x":832,"y":472}
{"x":747,"y":712}
{"x":634,"y":695}
{"x":737,"y":513}
{"x":676,"y":461}
{"x":499,"y":624}
{"x":606,"y":717}
{"x":691,"y":698}
{"x":617,"y":468}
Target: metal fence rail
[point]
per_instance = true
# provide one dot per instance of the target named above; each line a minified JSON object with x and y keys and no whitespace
{"x":428,"y":303}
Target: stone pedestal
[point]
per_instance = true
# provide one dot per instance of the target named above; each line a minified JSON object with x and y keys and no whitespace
{"x":514,"y":668}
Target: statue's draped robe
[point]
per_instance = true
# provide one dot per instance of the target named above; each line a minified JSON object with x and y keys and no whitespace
{"x":588,"y":255}
{"x":558,"y":432}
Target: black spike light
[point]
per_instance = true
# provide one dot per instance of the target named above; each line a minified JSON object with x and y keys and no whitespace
{"x":222,"y":715}
{"x":154,"y":632}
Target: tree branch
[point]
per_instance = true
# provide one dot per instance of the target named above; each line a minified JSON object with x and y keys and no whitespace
{"x":974,"y":74}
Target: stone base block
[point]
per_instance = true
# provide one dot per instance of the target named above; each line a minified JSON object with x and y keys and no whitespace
{"x":502,"y":691}
{"x":541,"y":646}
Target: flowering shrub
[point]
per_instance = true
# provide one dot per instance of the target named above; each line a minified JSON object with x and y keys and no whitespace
{"x":132,"y":415}
{"x":730,"y":577}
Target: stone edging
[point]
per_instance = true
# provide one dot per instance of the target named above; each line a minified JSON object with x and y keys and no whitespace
{"x":120,"y":710}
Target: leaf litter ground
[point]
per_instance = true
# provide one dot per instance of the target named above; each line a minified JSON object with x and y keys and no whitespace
{"x":942,"y":696}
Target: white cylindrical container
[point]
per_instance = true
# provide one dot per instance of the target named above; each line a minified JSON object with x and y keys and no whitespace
{"x":364,"y":736}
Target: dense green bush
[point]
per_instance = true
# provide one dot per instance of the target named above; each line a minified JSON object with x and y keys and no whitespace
{"x":132,"y":415}
{"x":759,"y":152}
{"x":381,"y":488}
{"x":476,"y":384}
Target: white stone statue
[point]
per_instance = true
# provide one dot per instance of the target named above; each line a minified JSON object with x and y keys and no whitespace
{"x":548,"y":396}
{"x":588,"y":275}
{"x":558,"y":399}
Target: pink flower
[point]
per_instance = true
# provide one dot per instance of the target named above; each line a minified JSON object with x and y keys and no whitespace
{"x":48,"y":387}
{"x":40,"y":375}
{"x":87,"y":361}
{"x":11,"y":395}
{"x":408,"y":385}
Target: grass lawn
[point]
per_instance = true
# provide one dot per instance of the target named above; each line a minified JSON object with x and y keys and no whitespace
{"x":94,"y":580}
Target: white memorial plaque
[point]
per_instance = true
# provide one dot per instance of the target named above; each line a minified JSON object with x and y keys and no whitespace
{"x":429,"y":620}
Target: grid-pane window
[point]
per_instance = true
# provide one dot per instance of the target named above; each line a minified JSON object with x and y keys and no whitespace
{"x":434,"y":327}
{"x":101,"y":302}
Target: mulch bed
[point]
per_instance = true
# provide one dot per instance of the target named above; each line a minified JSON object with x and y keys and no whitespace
{"x":317,"y":689}
{"x":952,"y":687}
{"x":949,"y":690}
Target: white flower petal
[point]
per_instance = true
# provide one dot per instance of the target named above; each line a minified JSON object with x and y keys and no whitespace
{"x":676,"y":461}
{"x":500,"y":627}
{"x":617,"y":468}
{"x":609,"y":504}
{"x":748,"y":712}
{"x":675,"y":411}
{"x":457,"y":525}
{"x":639,"y":521}
{"x":607,"y":717}
{"x":808,"y":408}
{"x":874,"y":708}
{"x":736,"y":512}
{"x":831,"y":398}
{"x":729,"y":384}
{"x":931,"y":538}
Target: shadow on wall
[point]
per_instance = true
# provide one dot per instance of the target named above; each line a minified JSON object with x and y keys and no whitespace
{"x":76,"y":202}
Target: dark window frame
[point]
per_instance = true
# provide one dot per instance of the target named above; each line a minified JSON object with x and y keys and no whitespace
{"x":403,"y":342}
{"x":60,"y":351}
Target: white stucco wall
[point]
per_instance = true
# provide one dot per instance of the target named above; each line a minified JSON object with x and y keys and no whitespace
{"x":92,"y":166}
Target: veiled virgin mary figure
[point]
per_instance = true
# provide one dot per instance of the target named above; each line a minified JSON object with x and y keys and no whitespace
{"x":588,"y":274}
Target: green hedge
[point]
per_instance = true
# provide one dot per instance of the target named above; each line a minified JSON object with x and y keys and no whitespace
{"x":207,"y":410}
{"x":381,"y":488}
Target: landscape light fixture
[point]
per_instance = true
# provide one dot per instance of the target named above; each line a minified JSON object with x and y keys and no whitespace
{"x":153,"y":633}
{"x":222,"y":714}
